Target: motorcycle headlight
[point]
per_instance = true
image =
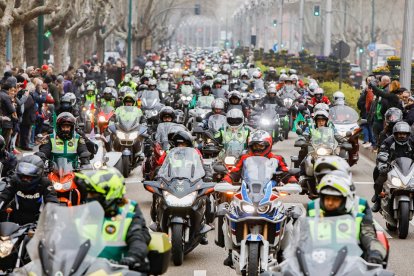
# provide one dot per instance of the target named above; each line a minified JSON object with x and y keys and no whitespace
{"x":102,"y":119}
{"x":247,"y":208}
{"x":6,"y":247}
{"x":189,"y":98}
{"x":120,"y":135}
{"x":183,"y":97}
{"x":97,"y":165}
{"x":323,"y":151}
{"x":133,"y":136}
{"x":263,"y":209}
{"x":88,"y":112}
{"x":230,"y":160}
{"x":174,"y":201}
{"x":62,"y":186}
{"x":395,"y":181}
{"x":265,"y":122}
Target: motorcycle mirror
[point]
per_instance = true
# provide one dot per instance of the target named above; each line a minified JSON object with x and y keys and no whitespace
{"x":199,"y":119}
{"x":225,"y":187}
{"x":299,"y":131}
{"x":218,"y":168}
{"x":198,"y":130}
{"x":348,"y":134}
{"x":363,"y":122}
{"x":39,"y":136}
{"x":382,"y":159}
{"x":346,"y":146}
{"x":299,"y":143}
{"x":289,"y":189}
{"x":294,"y":171}
{"x":81,"y":124}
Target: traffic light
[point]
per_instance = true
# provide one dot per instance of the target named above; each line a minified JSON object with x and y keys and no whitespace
{"x":197,"y":9}
{"x":316,"y":10}
{"x":361,"y":50}
{"x":274,"y":23}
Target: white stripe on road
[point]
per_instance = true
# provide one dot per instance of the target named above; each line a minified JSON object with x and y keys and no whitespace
{"x":379,"y":227}
{"x":364,"y":182}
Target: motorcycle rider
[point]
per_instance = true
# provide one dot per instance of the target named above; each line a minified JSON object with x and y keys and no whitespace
{"x":399,"y":144}
{"x":217,"y":90}
{"x":27,"y":190}
{"x":236,"y":102}
{"x":235,"y":129}
{"x":91,"y":95}
{"x":127,"y":81}
{"x":66,"y":142}
{"x":337,"y":197}
{"x":128,"y":247}
{"x":271,"y":98}
{"x":68,"y":104}
{"x":206,"y":98}
{"x":391,"y":117}
{"x":318,"y":97}
{"x":217,"y":108}
{"x":152,"y":86}
{"x":338,"y":98}
{"x":108,"y":98}
{"x":8,"y":160}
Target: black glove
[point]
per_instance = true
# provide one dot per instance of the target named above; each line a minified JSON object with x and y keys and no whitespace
{"x":135,"y":263}
{"x":374,"y":257}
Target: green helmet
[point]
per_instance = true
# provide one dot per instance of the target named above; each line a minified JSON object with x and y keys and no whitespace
{"x":108,"y":183}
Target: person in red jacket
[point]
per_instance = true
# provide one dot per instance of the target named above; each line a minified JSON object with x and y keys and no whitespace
{"x":318,"y":97}
{"x":259,"y":144}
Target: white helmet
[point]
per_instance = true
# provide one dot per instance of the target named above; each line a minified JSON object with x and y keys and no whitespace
{"x":294,"y":77}
{"x":217,"y":103}
{"x":312,"y":87}
{"x":321,"y":106}
{"x":69,"y":97}
{"x":235,"y":118}
{"x":339,"y":98}
{"x":235,"y":94}
{"x":283,"y":77}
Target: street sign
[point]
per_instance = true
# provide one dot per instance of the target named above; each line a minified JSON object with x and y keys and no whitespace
{"x":275,"y":47}
{"x":341,"y":50}
{"x":372,"y":54}
{"x":371,"y":47}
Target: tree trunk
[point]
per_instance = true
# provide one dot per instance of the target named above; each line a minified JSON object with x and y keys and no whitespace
{"x":59,"y":54}
{"x":30,"y":43}
{"x":100,"y":47}
{"x":3,"y":38}
{"x":17,"y":33}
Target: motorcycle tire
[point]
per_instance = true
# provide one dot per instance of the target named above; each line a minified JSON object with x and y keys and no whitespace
{"x":286,"y":134}
{"x":125,"y":166}
{"x":403,"y":219}
{"x":177,"y":242}
{"x":253,"y":261}
{"x":219,"y":229}
{"x":391,"y":227}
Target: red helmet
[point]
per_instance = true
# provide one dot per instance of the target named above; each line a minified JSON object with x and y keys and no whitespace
{"x":260,"y":142}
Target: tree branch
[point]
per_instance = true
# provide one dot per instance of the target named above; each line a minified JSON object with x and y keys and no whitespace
{"x":7,"y":18}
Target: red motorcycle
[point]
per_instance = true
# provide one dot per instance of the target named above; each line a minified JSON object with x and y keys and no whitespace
{"x":153,"y":161}
{"x":104,"y":116}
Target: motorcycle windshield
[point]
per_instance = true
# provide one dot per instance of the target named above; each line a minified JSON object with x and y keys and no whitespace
{"x":323,"y":137}
{"x":128,"y":117}
{"x":163,"y":86}
{"x":149,"y":99}
{"x":182,"y":163}
{"x":166,"y":128}
{"x":405,"y":165}
{"x":186,"y":90}
{"x":107,"y":109}
{"x":204,"y":102}
{"x":216,"y":121}
{"x":343,"y":114}
{"x":62,"y":231}
{"x":63,"y":167}
{"x":258,"y":169}
{"x":8,"y":228}
{"x":320,"y":240}
{"x":270,"y":110}
{"x":234,"y":148}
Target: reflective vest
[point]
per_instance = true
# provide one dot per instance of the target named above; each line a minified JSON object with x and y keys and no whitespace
{"x":115,"y":231}
{"x":240,"y":136}
{"x":65,"y":149}
{"x":108,"y":103}
{"x":90,"y":98}
{"x":357,"y":213}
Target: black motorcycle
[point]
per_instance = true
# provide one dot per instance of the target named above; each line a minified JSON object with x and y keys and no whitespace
{"x":181,"y":196}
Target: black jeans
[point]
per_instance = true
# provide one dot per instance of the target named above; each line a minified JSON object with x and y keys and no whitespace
{"x":6,"y":133}
{"x":25,"y":132}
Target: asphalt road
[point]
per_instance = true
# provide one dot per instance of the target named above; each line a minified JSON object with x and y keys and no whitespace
{"x":208,"y":259}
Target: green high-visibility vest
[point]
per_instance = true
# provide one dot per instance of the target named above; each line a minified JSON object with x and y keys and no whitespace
{"x":240,"y":136}
{"x":65,"y":148}
{"x":90,"y":98}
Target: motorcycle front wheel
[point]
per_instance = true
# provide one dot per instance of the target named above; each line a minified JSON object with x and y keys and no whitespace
{"x":403,"y":219}
{"x":177,"y":243}
{"x":253,"y":261}
{"x":125,"y":166}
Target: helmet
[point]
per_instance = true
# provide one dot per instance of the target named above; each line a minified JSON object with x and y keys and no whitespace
{"x":110,"y":83}
{"x":318,"y":93}
{"x":271,"y":90}
{"x":108,"y":184}
{"x":339,"y":98}
{"x":312,"y":87}
{"x":337,"y":184}
{"x":107,"y":93}
{"x":125,"y":90}
{"x":244,"y":73}
{"x":401,"y":128}
{"x":69,"y":98}
{"x":257,"y":74}
{"x":283,"y":71}
{"x":130,"y":97}
{"x":321,"y":114}
{"x":217,"y":104}
{"x":29,"y":171}
{"x":167,"y":111}
{"x":283,"y":77}
{"x":321,"y":106}
{"x":327,"y":164}
{"x":235,"y":118}
{"x":208,"y":76}
{"x":91,"y":88}
{"x":179,"y":137}
{"x":392,"y":116}
{"x":235,"y":94}
{"x":127,"y":78}
{"x":164,"y":77}
{"x":292,"y":71}
{"x":65,"y":118}
{"x":294,"y":77}
{"x":187,"y":79}
{"x":260,"y":137}
{"x":152,"y":82}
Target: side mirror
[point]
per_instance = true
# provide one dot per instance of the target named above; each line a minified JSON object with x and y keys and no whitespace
{"x":289,"y":189}
{"x":299,"y":143}
{"x":346,"y":146}
{"x":199,"y":119}
{"x":225,"y":187}
{"x":299,"y":131}
{"x":363,"y":122}
{"x":218,"y":168}
{"x":382,"y":158}
{"x":198,"y":130}
{"x":348,"y":134}
{"x":294,"y":171}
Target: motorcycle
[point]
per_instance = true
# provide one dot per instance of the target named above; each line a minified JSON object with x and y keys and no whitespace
{"x":327,"y":247}
{"x":255,"y":220}
{"x":181,"y":198}
{"x":13,"y":240}
{"x":397,"y":196}
{"x":216,"y":122}
{"x":227,"y":159}
{"x":66,"y":243}
{"x":270,"y":121}
{"x":62,"y":177}
{"x":88,"y":116}
{"x":150,"y":106}
{"x":104,"y":116}
{"x":345,"y":120}
{"x":185,"y":98}
{"x":127,"y":136}
{"x":197,"y":114}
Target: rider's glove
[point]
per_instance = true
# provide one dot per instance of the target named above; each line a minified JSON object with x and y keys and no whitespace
{"x":382,"y":168}
{"x":374,"y":257}
{"x":135,"y":263}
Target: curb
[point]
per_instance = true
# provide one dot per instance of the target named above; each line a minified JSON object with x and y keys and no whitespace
{"x":367,"y":152}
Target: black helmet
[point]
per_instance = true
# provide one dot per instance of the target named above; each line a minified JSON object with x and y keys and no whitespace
{"x":65,"y":118}
{"x":181,"y":136}
{"x":29,"y":171}
{"x":392,"y":116}
{"x":167,"y":111}
{"x":401,"y":133}
{"x":204,"y":87}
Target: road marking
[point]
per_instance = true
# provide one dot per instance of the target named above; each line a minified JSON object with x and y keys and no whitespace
{"x":379,"y":227}
{"x":364,"y":182}
{"x":200,"y":272}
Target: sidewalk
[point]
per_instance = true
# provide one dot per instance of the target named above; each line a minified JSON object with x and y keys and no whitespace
{"x":367,"y":152}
